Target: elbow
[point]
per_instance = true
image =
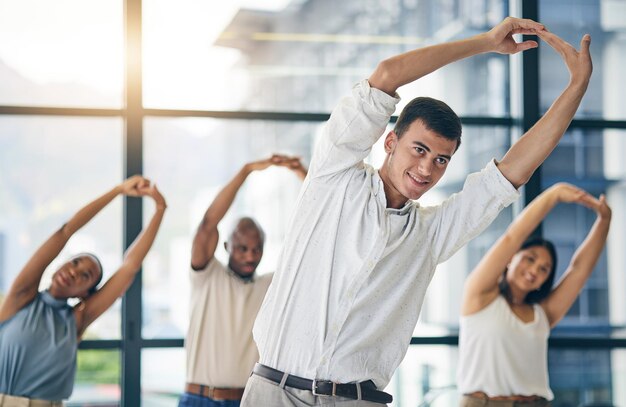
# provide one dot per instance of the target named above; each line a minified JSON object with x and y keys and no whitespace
{"x":132,"y":265}
{"x":66,"y":231}
{"x":385,"y":76}
{"x":519,"y":181}
{"x":516,"y":178}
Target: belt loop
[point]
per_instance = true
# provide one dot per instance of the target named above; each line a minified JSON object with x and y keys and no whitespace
{"x":202,"y":390}
{"x":358,"y":391}
{"x":283,"y":380}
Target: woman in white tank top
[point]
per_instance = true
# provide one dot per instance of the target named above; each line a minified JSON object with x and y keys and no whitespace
{"x":509,"y":305}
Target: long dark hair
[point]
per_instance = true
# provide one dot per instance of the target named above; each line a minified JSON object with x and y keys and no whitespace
{"x":538,"y":295}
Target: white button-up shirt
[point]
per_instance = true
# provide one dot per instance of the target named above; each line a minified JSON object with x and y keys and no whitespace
{"x":352,"y":277}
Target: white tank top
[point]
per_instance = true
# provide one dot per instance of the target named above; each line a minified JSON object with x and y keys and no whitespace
{"x":501,"y":355}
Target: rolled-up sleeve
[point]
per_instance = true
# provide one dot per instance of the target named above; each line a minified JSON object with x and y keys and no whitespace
{"x":354,"y":126}
{"x":466,"y":214}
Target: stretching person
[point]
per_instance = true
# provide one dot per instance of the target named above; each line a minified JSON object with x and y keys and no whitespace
{"x":506,"y":317}
{"x":39,"y":331}
{"x":360,"y":252}
{"x":225,"y":300}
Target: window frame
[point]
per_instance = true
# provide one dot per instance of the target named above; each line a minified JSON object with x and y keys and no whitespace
{"x":131,"y":343}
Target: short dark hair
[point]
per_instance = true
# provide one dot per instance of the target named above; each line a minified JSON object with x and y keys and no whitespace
{"x":434,"y":114}
{"x":538,"y":295}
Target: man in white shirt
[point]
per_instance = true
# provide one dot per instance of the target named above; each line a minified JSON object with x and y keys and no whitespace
{"x":360,"y":252}
{"x":225,"y":299}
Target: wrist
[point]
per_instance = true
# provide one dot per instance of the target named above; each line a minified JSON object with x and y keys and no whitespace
{"x":579,"y":84}
{"x":484,"y":42}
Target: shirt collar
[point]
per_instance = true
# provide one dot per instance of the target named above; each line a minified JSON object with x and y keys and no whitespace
{"x":53,"y":302}
{"x":236,"y":276}
{"x":378,"y":188}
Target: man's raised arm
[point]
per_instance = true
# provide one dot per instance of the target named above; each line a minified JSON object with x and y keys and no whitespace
{"x":410,"y":66}
{"x":207,"y":236}
{"x":533,"y":148}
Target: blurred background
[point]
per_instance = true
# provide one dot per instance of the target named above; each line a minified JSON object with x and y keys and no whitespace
{"x":188,"y":91}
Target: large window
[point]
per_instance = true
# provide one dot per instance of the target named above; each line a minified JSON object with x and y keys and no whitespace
{"x":66,"y":53}
{"x":207,"y":86}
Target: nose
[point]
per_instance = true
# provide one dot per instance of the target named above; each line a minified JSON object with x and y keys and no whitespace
{"x":250,"y":256}
{"x":425,"y":167}
{"x":535,"y":270}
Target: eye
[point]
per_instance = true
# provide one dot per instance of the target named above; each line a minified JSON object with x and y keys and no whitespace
{"x":75,"y":262}
{"x":420,"y":150}
{"x":441,"y":161}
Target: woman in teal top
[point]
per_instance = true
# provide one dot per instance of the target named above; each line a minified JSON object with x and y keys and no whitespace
{"x":39,"y":331}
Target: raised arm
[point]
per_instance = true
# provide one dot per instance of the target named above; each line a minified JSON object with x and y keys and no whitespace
{"x":92,"y":307}
{"x":410,"y":66}
{"x":523,"y":158}
{"x":580,"y":267}
{"x":26,"y":284}
{"x":207,"y":236}
{"x":481,"y":286}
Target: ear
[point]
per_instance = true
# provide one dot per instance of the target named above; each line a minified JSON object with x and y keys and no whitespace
{"x":82,"y":297}
{"x":391,"y":140}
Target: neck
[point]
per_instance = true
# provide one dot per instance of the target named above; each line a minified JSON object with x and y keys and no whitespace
{"x":244,"y":277}
{"x":53,"y":292}
{"x":394,"y":198}
{"x":515,"y":298}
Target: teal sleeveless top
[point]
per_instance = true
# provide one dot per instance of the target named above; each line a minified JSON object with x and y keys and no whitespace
{"x":38,"y":350}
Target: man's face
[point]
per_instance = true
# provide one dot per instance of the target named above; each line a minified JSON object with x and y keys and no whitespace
{"x":415,"y":162}
{"x":245,"y":249}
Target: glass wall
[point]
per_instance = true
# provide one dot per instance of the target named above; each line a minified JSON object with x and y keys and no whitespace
{"x":66,"y":53}
{"x":604,"y":20}
{"x":49,"y":168}
{"x":224,"y":84}
{"x":221,"y":148}
{"x":98,"y":379}
{"x":303,"y":56}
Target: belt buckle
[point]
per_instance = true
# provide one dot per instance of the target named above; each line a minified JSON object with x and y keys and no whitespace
{"x":314,"y":388}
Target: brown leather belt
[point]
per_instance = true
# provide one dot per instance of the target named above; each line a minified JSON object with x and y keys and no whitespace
{"x":523,"y":399}
{"x":215,"y":393}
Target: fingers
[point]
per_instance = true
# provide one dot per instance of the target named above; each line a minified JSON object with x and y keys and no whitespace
{"x":524,"y":31}
{"x":560,"y":44}
{"x":524,"y":23}
{"x":526,"y":45}
{"x":589,"y":201}
{"x":553,"y":40}
{"x":286,"y":161}
{"x":585,"y":42}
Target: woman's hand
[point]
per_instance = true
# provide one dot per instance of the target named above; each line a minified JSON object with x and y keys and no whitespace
{"x":153,"y":192}
{"x":133,"y":185}
{"x":602,"y":209}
